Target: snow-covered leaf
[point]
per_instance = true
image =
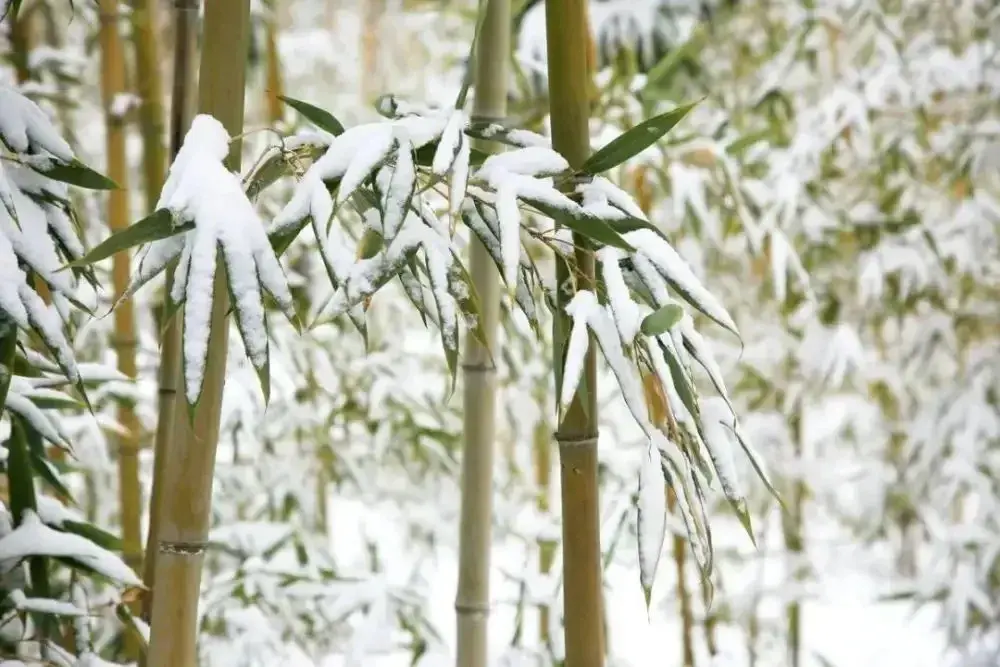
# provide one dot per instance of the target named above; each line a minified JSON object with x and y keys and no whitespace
{"x":33,"y":538}
{"x":651,"y":517}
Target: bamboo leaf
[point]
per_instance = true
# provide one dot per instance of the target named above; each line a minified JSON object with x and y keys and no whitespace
{"x":632,"y":142}
{"x":154,"y":227}
{"x":99,"y":537}
{"x":20,"y":477}
{"x":661,"y":320}
{"x":318,"y":117}
{"x":75,"y":173}
{"x":582,"y":223}
{"x":651,"y":509}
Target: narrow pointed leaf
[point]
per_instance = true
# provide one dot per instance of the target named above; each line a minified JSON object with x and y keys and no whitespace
{"x":632,"y":142}
{"x":318,"y":117}
{"x":75,"y":173}
{"x":157,"y":226}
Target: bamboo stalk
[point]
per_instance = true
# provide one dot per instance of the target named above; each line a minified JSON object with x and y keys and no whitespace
{"x":472,"y":603}
{"x":185,"y":32}
{"x":274,"y":85}
{"x":185,"y":513}
{"x":21,"y":39}
{"x":567,"y":38}
{"x":792,"y":531}
{"x":371,"y":74}
{"x":543,"y":501}
{"x":679,"y":545}
{"x":145,"y":42}
{"x":113,"y":85}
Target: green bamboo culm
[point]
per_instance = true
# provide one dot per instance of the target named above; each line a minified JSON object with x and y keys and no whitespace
{"x":567,"y":37}
{"x":185,"y":15}
{"x":185,"y":512}
{"x":472,"y":603}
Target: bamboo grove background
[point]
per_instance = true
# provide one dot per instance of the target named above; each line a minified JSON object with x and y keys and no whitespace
{"x":836,"y":187}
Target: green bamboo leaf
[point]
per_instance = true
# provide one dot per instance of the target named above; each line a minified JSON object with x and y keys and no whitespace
{"x":43,"y":467}
{"x":582,"y":223}
{"x":8,"y":355}
{"x":683,"y":385}
{"x":630,"y":224}
{"x":155,"y":227}
{"x":99,"y":537}
{"x":318,"y":117}
{"x":75,"y":173}
{"x":634,"y":141}
{"x":662,"y":320}
{"x":11,"y":11}
{"x":20,"y":477}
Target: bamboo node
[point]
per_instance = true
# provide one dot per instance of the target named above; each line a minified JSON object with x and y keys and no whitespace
{"x":585,"y":441}
{"x":480,"y":608}
{"x":182,"y":548}
{"x":488,"y":118}
{"x":480,"y":367}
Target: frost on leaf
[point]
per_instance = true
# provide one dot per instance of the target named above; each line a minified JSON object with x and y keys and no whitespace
{"x":201,"y":191}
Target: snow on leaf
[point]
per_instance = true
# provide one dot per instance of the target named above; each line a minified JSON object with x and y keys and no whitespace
{"x":679,"y":275}
{"x":200,"y":190}
{"x":459,"y":175}
{"x":34,"y":538}
{"x":397,"y":192}
{"x":509,"y":218}
{"x":7,"y":196}
{"x":615,"y":196}
{"x":366,"y":159}
{"x":535,"y":161}
{"x":651,"y":517}
{"x":29,"y":237}
{"x":43,"y":605}
{"x":700,"y":351}
{"x":25,"y":128}
{"x":627,"y":315}
{"x":450,"y":144}
{"x":579,"y":309}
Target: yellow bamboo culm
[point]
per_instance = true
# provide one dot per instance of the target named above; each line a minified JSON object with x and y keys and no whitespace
{"x":567,"y":37}
{"x":112,"y":87}
{"x":543,"y":502}
{"x":149,"y":89}
{"x":185,"y":512}
{"x":185,"y":14}
{"x":274,"y":86}
{"x":371,"y":32}
{"x":472,"y":603}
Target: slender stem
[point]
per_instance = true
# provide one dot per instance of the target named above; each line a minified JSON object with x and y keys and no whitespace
{"x":185,"y":19}
{"x":274,"y":87}
{"x":476,"y":522}
{"x":567,"y":37}
{"x":145,"y":42}
{"x":792,"y":529}
{"x":130,"y":491}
